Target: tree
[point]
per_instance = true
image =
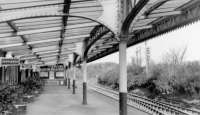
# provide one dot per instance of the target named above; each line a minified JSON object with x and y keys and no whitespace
{"x":172,"y":60}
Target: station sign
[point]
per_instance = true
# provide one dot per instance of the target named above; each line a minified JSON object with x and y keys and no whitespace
{"x":59,"y":67}
{"x":25,"y":66}
{"x":35,"y":68}
{"x":9,"y":61}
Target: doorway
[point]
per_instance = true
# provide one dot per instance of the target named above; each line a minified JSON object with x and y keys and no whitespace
{"x":51,"y":75}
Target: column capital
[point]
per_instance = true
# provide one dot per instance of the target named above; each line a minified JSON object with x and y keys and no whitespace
{"x":123,"y":37}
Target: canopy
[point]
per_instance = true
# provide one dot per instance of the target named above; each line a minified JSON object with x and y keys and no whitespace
{"x":47,"y":32}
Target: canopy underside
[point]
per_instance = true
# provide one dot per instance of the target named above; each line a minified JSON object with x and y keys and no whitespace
{"x":47,"y":32}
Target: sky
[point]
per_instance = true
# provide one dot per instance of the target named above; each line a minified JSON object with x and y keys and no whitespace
{"x":185,"y":37}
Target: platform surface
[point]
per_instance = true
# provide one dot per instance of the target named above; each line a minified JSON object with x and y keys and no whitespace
{"x":58,"y":100}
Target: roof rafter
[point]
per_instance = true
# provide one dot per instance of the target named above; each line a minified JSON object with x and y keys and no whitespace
{"x":135,"y":13}
{"x":66,"y":8}
{"x":157,"y":5}
{"x":12,"y":25}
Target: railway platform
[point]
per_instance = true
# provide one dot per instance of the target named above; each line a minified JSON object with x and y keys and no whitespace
{"x":59,"y":100}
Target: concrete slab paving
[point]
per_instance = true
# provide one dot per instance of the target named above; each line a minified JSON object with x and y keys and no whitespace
{"x":58,"y":100}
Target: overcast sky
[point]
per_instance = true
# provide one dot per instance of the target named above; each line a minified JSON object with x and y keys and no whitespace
{"x":188,"y":36}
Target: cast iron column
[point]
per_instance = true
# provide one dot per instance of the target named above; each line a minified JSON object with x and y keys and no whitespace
{"x":3,"y":74}
{"x":123,"y":78}
{"x":84,"y":82}
{"x":69,"y":85}
{"x":74,"y":80}
{"x":65,"y":77}
{"x":19,"y":75}
{"x":68,"y":82}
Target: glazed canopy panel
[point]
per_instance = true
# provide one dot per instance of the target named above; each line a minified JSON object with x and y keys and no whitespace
{"x":37,"y":31}
{"x":154,"y":18}
{"x":47,"y":32}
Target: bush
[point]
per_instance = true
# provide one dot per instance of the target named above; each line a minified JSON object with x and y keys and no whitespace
{"x":11,"y":94}
{"x":32,"y":83}
{"x":185,"y":79}
{"x":110,"y":78}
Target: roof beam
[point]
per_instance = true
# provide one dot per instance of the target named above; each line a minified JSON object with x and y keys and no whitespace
{"x":47,"y":52}
{"x":26,"y":32}
{"x":45,"y":30}
{"x":50,"y":29}
{"x":137,"y":17}
{"x":105,"y":46}
{"x":70,"y":41}
{"x":155,"y":6}
{"x":133,"y":16}
{"x":23,"y":55}
{"x":46,"y":58}
{"x":50,"y":60}
{"x":26,"y":58}
{"x":142,"y":27}
{"x":47,"y":48}
{"x":14,"y":27}
{"x":11,"y":45}
{"x":49,"y":63}
{"x":162,"y":14}
{"x":66,"y":8}
{"x":67,"y":52}
{"x":50,"y":55}
{"x":65,"y":55}
{"x":76,"y":37}
{"x":97,"y":51}
{"x":43,"y":41}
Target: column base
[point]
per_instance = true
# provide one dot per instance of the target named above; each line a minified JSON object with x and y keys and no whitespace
{"x":123,"y":103}
{"x":65,"y":82}
{"x":84,"y":93}
{"x":74,"y":86}
{"x":68,"y":83}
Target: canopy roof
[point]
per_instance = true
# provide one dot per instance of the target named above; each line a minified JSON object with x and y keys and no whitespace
{"x":47,"y":32}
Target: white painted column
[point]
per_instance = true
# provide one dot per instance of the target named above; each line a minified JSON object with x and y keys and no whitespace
{"x":65,"y":74}
{"x":123,"y":67}
{"x":84,"y":72}
{"x":9,"y":78}
{"x":123,"y":78}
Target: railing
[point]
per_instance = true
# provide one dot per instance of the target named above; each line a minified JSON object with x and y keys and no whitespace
{"x":147,"y":105}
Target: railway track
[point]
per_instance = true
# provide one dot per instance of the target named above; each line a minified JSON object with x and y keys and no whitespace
{"x":150,"y":106}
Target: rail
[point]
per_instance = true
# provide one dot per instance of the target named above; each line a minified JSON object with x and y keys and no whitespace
{"x":147,"y":105}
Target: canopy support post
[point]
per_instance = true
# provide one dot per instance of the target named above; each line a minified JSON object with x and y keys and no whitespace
{"x":74,"y":80}
{"x":65,"y":76}
{"x":84,"y":82}
{"x":68,"y":79}
{"x":123,"y":78}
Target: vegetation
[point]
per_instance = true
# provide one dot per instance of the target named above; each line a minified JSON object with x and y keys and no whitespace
{"x":32,"y":84}
{"x":172,"y":77}
{"x":95,"y":70}
{"x":12,"y":94}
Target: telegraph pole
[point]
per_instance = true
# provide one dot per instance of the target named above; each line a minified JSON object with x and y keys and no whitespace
{"x":147,"y":53}
{"x":136,"y":56}
{"x":140,"y":57}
